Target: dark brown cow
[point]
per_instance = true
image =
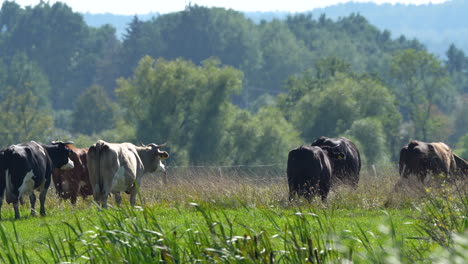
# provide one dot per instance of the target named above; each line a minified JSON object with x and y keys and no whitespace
{"x":309,"y":172}
{"x":344,"y":157}
{"x":421,"y":158}
{"x":72,"y":183}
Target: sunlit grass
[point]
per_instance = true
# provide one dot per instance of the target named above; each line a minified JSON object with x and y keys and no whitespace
{"x":245,"y":216}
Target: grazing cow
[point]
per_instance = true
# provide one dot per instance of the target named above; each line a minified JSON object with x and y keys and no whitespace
{"x":28,"y":167}
{"x":115,"y":168}
{"x":2,"y":178}
{"x":462,"y":165}
{"x":69,"y":184}
{"x":421,"y":158}
{"x":309,"y":172}
{"x":345,"y":159}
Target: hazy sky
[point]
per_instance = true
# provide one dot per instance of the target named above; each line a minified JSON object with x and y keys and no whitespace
{"x":164,"y":6}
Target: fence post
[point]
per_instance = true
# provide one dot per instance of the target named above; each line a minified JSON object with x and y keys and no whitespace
{"x":164,"y":178}
{"x":374,"y":170}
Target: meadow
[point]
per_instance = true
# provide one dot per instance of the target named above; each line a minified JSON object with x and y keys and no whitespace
{"x":243,"y":215}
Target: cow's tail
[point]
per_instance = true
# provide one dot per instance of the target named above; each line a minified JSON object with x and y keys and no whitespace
{"x":94,"y":169}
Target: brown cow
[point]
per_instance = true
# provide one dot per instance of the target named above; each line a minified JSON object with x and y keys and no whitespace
{"x":72,"y":183}
{"x":421,"y":158}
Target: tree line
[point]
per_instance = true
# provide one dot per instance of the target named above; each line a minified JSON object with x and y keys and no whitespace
{"x":220,"y":88}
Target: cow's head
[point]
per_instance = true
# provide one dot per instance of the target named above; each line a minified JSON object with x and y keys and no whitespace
{"x":335,"y":153}
{"x":156,"y":157}
{"x":60,"y":154}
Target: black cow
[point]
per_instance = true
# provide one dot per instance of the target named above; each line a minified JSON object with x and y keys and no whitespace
{"x":309,"y":172}
{"x":2,"y":178}
{"x":345,"y":159}
{"x":28,"y":167}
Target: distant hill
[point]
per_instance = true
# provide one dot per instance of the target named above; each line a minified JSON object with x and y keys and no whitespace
{"x":435,"y":25}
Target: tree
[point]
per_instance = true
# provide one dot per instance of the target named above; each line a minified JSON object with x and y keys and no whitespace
{"x":463,"y":146}
{"x":457,"y":66}
{"x":421,"y":84}
{"x":24,"y":75}
{"x":94,"y":111}
{"x":456,"y":61}
{"x":181,"y":103}
{"x":329,"y":100}
{"x":261,"y":138}
{"x":370,"y":133}
{"x":24,"y":103}
{"x":22,"y":118}
{"x":282,"y":55}
{"x":328,"y":112}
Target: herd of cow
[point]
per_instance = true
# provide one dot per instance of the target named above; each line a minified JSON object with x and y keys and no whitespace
{"x":107,"y":168}
{"x":102,"y":169}
{"x":312,"y":170}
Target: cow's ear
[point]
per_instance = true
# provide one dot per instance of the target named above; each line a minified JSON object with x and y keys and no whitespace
{"x":162,"y":154}
{"x":339,"y":156}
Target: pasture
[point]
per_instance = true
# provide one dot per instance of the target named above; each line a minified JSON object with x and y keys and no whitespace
{"x":243,"y":215}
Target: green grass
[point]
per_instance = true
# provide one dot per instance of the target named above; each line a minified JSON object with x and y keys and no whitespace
{"x":208,"y":217}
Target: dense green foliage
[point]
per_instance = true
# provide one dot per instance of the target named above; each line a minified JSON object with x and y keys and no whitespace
{"x":435,"y":24}
{"x":222,"y":89}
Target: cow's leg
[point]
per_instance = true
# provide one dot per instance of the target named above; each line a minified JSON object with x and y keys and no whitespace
{"x":32,"y":199}
{"x":2,"y":190}
{"x":75,"y":190}
{"x":118,"y":198}
{"x":42,"y":198}
{"x":133,"y":194}
{"x":104,"y":200}
{"x":73,"y":198}
{"x":16,"y":207}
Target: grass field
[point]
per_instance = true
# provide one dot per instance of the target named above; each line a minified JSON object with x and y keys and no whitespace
{"x":243,"y":215}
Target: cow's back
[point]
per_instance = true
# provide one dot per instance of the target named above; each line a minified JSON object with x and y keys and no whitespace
{"x":309,"y":172}
{"x":112,"y":164}
{"x":300,"y":166}
{"x":444,"y":155}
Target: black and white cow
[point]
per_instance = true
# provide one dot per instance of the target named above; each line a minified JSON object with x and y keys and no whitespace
{"x":27,"y":167}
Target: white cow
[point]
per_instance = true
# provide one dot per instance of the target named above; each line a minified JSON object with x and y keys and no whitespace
{"x":115,"y":168}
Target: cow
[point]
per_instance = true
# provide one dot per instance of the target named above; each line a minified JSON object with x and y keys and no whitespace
{"x":309,"y":172}
{"x":115,"y":168}
{"x":420,"y":159}
{"x":2,"y":178}
{"x":69,"y":184}
{"x":344,"y":157}
{"x":28,"y":167}
{"x":462,"y":165}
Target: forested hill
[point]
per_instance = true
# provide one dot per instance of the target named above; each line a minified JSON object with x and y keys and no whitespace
{"x":119,"y":22}
{"x":435,"y":25}
{"x":223,"y":89}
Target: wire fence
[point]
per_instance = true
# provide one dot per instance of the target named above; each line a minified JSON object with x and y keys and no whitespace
{"x":256,"y":174}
